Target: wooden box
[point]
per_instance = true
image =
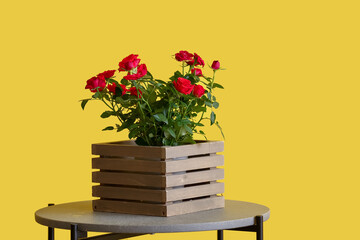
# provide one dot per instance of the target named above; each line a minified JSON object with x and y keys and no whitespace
{"x":157,"y":181}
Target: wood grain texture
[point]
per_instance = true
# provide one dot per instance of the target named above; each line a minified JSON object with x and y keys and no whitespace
{"x":128,"y":148}
{"x":126,"y":164}
{"x":157,"y":195}
{"x":131,"y":179}
{"x":158,"y":209}
{"x":194,"y":177}
{"x":153,"y":166}
{"x":126,"y":193}
{"x":194,"y":149}
{"x":194,"y":191}
{"x":195,"y":206}
{"x":129,"y":207}
{"x":212,"y":160}
{"x":157,"y":181}
{"x":160,"y":181}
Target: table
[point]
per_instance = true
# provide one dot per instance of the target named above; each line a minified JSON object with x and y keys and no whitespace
{"x":80,"y":219}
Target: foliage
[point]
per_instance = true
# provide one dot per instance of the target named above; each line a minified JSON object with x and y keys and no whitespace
{"x":157,"y":112}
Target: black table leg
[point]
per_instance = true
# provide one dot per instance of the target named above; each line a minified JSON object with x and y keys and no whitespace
{"x":259,"y":227}
{"x":50,"y":229}
{"x":220,"y":235}
{"x":75,"y":233}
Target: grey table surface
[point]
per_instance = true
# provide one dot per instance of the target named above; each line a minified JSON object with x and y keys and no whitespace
{"x":235,"y":214}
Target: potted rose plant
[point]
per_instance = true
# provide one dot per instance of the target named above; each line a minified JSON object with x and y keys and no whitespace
{"x":162,"y":117}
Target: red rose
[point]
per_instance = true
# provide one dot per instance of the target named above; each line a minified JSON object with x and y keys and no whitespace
{"x":141,"y":71}
{"x":134,"y":92}
{"x":196,"y":71}
{"x":215,"y":65}
{"x":183,"y":85}
{"x":124,"y":89}
{"x":112,"y":87}
{"x":106,"y":74}
{"x":198,"y":91}
{"x":197,"y":60}
{"x":94,"y":83}
{"x":129,"y":63}
{"x":183,"y":56}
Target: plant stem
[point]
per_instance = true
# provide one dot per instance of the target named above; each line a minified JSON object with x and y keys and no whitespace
{"x":212,"y":82}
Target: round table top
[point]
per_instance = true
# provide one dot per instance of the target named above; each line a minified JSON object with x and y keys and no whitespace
{"x":235,"y":214}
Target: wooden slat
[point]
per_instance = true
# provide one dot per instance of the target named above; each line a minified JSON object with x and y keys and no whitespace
{"x":123,"y":164}
{"x":195,"y":206}
{"x":131,"y":179}
{"x":129,"y":207}
{"x":156,"y":195}
{"x":194,"y":191}
{"x":129,"y":149}
{"x":158,"y":209}
{"x":194,"y":163}
{"x":126,"y":193}
{"x":161,"y":181}
{"x":168,"y":166}
{"x":194,"y":177}
{"x":194,"y":149}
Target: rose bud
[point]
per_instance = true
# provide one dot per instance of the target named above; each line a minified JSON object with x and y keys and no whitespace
{"x":215,"y":65}
{"x":196,"y":71}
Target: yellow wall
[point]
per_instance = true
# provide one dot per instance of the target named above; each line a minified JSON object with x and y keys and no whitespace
{"x":290,"y":110}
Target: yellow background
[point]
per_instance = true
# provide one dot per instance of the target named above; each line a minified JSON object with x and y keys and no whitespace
{"x":290,"y":110}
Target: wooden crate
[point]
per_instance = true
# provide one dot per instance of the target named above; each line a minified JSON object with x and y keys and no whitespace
{"x":157,"y":181}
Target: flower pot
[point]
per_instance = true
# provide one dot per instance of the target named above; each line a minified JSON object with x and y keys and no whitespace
{"x":157,"y":181}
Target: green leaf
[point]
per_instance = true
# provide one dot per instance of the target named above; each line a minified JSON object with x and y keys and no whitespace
{"x":161,"y":118}
{"x":208,"y":103}
{"x":170,"y":131}
{"x":160,"y":81}
{"x":106,"y":114}
{"x":149,"y":74}
{"x":140,"y":141}
{"x":129,"y":122}
{"x":83,"y":103}
{"x":118,"y":91}
{"x":182,"y":131}
{"x":215,"y":105}
{"x":134,"y":132}
{"x":119,"y":100}
{"x":124,"y":81}
{"x":212,"y":118}
{"x":177,"y":74}
{"x":199,"y":108}
{"x":216,"y":85}
{"x":188,"y":139}
{"x":108,"y":128}
{"x":97,"y":95}
{"x":208,"y":95}
{"x":188,"y":129}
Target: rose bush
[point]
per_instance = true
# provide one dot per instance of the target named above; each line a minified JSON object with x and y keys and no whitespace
{"x":156,"y":112}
